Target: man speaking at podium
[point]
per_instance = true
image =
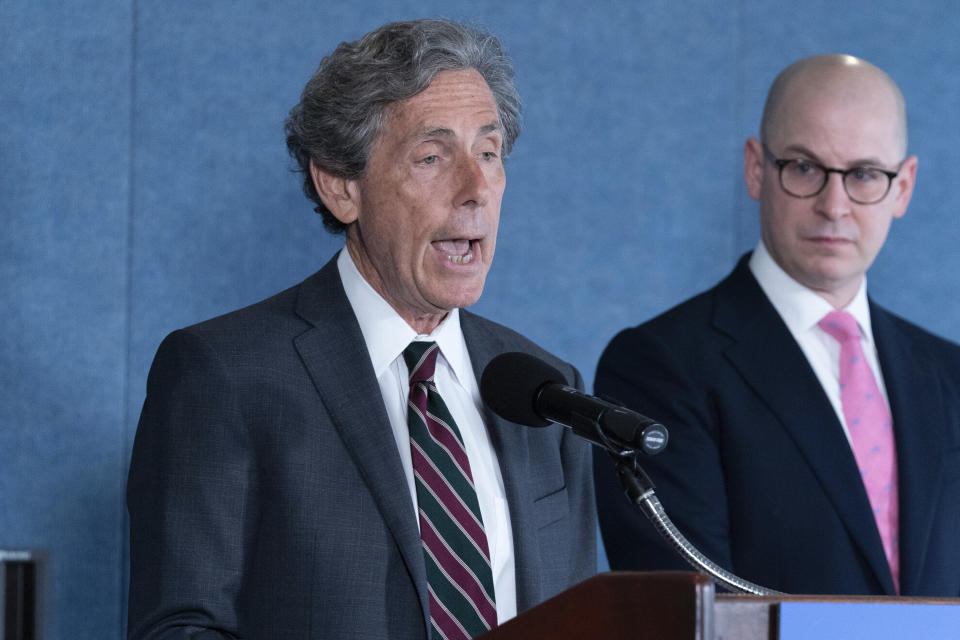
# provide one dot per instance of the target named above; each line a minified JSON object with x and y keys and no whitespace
{"x":320,"y":465}
{"x":814,"y":436}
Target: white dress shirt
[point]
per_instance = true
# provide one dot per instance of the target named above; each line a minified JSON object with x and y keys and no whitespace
{"x":801,"y":310}
{"x":387,"y":335}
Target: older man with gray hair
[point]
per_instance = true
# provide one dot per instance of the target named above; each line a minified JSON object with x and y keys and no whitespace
{"x":320,"y":465}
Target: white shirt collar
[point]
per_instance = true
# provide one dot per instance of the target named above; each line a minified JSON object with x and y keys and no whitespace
{"x":800,"y":307}
{"x":387,"y":334}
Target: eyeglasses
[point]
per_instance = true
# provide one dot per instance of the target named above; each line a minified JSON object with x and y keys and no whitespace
{"x":805,"y":179}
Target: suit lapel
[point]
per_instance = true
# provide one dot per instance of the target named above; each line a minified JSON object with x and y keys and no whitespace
{"x":335,"y":355}
{"x":510,"y":443}
{"x":919,"y":416}
{"x":773,"y":365}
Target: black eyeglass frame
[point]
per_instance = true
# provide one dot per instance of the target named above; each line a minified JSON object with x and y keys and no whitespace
{"x":782,"y":162}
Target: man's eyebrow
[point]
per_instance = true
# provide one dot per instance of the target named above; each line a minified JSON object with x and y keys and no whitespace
{"x":799,"y":149}
{"x":490,"y":128}
{"x":443,"y":132}
{"x":437,"y":132}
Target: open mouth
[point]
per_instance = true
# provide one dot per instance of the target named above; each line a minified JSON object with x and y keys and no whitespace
{"x":457,"y":251}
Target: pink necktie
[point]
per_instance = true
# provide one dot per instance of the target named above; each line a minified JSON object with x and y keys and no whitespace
{"x":871,"y":432}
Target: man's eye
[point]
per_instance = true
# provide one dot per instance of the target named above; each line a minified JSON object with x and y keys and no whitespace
{"x":865,"y":174}
{"x":488,"y":155}
{"x":429,"y":160}
{"x":802,"y":170}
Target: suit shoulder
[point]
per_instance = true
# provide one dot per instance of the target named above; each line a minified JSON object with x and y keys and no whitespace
{"x":919,"y":333}
{"x":317,"y":296}
{"x":509,"y":340}
{"x":264,"y":327}
{"x":684,"y":321}
{"x":936,"y":348}
{"x":268,"y":315}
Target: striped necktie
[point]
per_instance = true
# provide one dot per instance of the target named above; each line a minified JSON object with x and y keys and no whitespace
{"x":455,"y":548}
{"x":871,"y":432}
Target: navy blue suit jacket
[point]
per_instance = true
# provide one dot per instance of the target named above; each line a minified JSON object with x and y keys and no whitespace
{"x":758,"y":473}
{"x":266,"y":494}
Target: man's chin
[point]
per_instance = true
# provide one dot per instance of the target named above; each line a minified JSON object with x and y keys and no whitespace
{"x":456,"y":297}
{"x":834,"y":283}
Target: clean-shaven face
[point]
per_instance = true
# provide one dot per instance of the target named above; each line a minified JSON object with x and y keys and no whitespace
{"x":426,"y":229}
{"x":842,"y":119}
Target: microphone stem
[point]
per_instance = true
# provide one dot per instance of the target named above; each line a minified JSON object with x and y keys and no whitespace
{"x":639,"y":489}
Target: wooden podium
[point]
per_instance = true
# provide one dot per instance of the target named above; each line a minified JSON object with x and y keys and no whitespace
{"x":673,"y":606}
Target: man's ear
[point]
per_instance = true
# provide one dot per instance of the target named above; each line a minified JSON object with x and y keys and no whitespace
{"x":340,"y":195}
{"x":903,"y":184}
{"x":753,"y":167}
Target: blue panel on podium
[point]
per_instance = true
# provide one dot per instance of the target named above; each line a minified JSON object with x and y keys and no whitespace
{"x":868,"y":621}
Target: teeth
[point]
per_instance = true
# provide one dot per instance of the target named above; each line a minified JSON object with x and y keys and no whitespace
{"x":464,"y":259}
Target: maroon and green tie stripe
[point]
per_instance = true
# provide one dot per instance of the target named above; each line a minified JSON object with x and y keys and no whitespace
{"x":462,"y":603}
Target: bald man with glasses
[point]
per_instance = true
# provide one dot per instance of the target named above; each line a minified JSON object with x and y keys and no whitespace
{"x":815,"y":436}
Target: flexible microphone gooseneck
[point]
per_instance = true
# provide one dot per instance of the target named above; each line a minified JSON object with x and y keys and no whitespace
{"x":526,"y":390}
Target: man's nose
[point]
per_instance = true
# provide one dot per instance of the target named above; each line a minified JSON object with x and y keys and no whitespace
{"x":833,"y":201}
{"x":472,"y":183}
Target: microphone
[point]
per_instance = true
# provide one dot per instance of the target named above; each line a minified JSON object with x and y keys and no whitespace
{"x":524,"y":389}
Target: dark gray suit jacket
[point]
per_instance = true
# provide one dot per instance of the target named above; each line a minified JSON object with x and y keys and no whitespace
{"x":758,"y":473}
{"x":266,"y":494}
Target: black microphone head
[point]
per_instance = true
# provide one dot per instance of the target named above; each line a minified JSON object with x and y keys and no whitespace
{"x":510,"y":383}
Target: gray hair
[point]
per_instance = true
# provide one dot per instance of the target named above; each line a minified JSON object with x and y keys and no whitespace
{"x":341,"y":110}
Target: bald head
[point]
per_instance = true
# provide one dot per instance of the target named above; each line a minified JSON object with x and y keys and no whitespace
{"x":837,"y":123}
{"x":835,"y":79}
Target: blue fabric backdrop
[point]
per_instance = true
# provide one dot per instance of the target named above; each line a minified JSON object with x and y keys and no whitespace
{"x":144,"y":185}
